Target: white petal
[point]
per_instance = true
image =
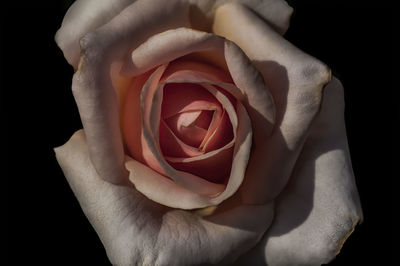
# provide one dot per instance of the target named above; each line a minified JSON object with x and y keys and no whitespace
{"x":92,"y":85}
{"x":87,"y":15}
{"x":169,"y":45}
{"x":320,"y":206}
{"x":295,"y":81}
{"x":138,"y":231}
{"x":84,"y":16}
{"x":275,"y":12}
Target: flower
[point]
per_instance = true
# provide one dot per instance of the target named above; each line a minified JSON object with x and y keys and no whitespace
{"x":202,"y":104}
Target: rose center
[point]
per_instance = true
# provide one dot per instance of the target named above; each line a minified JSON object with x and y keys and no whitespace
{"x":191,"y":127}
{"x":193,"y":119}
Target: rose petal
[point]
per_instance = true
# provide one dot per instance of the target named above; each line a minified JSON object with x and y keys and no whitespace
{"x":222,"y":135}
{"x":131,"y":117}
{"x":295,"y":81}
{"x":219,"y":146}
{"x":151,"y":98}
{"x":320,"y":206}
{"x":135,"y":230}
{"x":87,"y":15}
{"x":84,"y":16}
{"x":204,"y":193}
{"x":192,"y":97}
{"x":252,"y":92}
{"x":225,"y":131}
{"x":220,"y":163}
{"x":169,"y":45}
{"x":276,"y":12}
{"x":172,"y":146}
{"x":92,"y":85}
{"x":198,"y":71}
{"x":191,"y":127}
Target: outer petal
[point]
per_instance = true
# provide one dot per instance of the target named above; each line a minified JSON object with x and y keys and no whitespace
{"x":84,"y":16}
{"x":137,"y":231}
{"x":169,"y":45}
{"x":320,"y":206}
{"x":295,"y":80}
{"x":275,"y":12}
{"x":92,"y":86}
{"x":87,"y":15}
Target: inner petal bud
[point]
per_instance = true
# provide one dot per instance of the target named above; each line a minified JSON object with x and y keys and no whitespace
{"x":191,"y":126}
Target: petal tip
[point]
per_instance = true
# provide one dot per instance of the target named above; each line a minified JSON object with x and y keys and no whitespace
{"x":76,"y":139}
{"x":67,"y":49}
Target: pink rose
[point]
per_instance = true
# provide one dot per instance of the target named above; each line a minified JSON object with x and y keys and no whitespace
{"x":197,"y":115}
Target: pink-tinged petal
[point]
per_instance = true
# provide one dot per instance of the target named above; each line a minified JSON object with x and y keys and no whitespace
{"x":149,"y":92}
{"x":220,"y":142}
{"x":185,"y":126}
{"x":221,"y":136}
{"x":92,"y":84}
{"x":213,"y":193}
{"x":161,"y":189}
{"x":151,"y":100}
{"x":194,"y":71}
{"x":121,"y":85}
{"x":241,"y":152}
{"x":320,"y":206}
{"x":82,"y":17}
{"x":173,"y":146}
{"x":184,"y":71}
{"x":204,"y":119}
{"x":225,"y":129}
{"x":192,"y":97}
{"x":131,"y":118}
{"x":186,"y":119}
{"x":295,"y":80}
{"x":214,"y":168}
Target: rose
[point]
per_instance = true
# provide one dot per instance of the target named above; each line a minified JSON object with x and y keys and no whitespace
{"x":297,"y":153}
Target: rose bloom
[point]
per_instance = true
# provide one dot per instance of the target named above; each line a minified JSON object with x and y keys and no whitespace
{"x":208,"y":138}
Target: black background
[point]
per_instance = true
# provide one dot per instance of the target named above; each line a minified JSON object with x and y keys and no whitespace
{"x":45,"y":224}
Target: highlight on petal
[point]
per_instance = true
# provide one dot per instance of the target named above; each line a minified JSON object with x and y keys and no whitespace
{"x":275,"y":12}
{"x":295,"y":81}
{"x":320,"y":206}
{"x":82,"y":17}
{"x":172,"y":44}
